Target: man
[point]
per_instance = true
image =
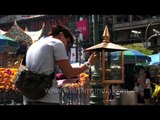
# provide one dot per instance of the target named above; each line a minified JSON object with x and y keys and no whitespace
{"x":44,"y":55}
{"x":158,"y":81}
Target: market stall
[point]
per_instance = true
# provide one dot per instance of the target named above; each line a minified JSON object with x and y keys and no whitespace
{"x":8,"y":92}
{"x":11,"y":42}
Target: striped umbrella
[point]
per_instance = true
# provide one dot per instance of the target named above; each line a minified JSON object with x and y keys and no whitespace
{"x":132,"y":56}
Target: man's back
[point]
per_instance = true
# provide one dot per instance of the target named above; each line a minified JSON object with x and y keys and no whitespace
{"x":41,"y":57}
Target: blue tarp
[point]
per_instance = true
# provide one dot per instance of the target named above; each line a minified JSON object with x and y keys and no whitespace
{"x":155,"y":59}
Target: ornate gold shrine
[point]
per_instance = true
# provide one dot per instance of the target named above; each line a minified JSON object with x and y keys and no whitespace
{"x":111,"y":62}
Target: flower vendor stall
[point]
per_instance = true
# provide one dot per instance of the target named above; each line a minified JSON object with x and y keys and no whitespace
{"x":8,"y":91}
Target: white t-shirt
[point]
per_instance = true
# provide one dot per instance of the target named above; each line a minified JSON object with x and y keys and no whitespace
{"x":41,"y":58}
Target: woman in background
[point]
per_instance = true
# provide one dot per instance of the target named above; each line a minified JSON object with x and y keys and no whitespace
{"x":147,"y":88}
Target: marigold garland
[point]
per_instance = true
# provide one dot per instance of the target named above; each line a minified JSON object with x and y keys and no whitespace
{"x":7,"y":79}
{"x":83,"y":78}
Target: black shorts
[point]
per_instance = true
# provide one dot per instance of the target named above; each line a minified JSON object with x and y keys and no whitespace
{"x":147,"y":93}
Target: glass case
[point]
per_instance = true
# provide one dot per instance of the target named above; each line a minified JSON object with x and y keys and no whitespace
{"x":112,"y":66}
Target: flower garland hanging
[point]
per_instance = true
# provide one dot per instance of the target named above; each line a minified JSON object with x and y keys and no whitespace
{"x":7,"y":78}
{"x":83,"y":78}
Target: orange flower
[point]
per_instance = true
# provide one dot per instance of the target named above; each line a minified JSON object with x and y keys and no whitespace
{"x":7,"y":78}
{"x":83,"y":78}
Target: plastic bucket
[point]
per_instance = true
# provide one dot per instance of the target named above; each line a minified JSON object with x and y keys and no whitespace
{"x":128,"y":98}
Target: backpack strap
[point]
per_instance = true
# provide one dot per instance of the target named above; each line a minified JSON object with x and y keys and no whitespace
{"x":52,"y":75}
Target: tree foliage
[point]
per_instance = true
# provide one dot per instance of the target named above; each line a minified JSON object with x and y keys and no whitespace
{"x":139,"y":48}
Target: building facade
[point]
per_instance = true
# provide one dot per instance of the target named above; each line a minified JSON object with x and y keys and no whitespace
{"x":84,"y":23}
{"x":124,"y":29}
{"x":143,"y":29}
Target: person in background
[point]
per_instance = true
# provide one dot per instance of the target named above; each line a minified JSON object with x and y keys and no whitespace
{"x":153,"y":81}
{"x":158,"y":83}
{"x":139,"y":91}
{"x":44,"y":55}
{"x":158,"y":80}
{"x":147,"y":88}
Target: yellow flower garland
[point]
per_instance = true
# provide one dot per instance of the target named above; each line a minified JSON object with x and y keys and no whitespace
{"x":7,"y":78}
{"x":83,"y":78}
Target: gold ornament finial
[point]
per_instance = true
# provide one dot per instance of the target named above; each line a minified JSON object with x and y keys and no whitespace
{"x":106,"y":35}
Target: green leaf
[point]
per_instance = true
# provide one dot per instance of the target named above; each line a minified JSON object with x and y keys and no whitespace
{"x":140,"y":48}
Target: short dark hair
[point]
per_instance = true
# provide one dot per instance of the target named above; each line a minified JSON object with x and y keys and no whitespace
{"x":56,"y":29}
